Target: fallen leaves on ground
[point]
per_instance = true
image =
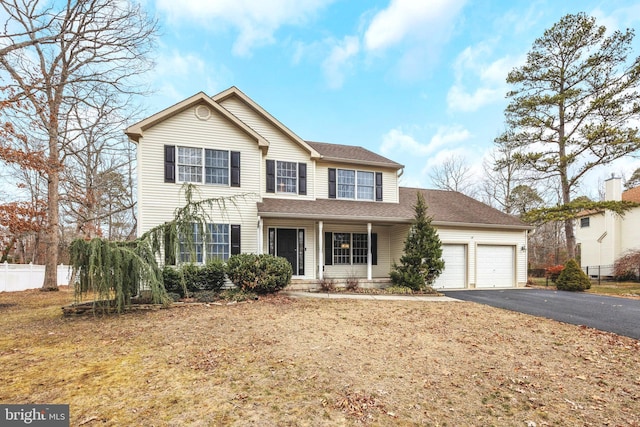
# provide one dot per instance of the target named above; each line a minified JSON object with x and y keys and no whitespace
{"x":280,"y":361}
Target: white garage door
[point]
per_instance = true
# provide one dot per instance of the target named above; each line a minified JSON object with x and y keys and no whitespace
{"x":495,"y":266}
{"x":455,"y":266}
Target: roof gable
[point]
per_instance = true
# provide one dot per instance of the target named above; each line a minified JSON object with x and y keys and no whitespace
{"x":235,"y":92}
{"x":135,"y":132}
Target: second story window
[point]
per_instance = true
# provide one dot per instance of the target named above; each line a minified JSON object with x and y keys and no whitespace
{"x":216,"y":167}
{"x":355,"y":184}
{"x":584,"y":222}
{"x":201,"y":165}
{"x":189,"y":164}
{"x":286,"y":177}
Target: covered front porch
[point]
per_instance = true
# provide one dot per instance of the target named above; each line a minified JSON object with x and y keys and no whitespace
{"x":332,"y":250}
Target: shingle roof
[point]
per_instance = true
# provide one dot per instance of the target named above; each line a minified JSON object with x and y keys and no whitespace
{"x":632,"y":195}
{"x":351,"y":154}
{"x":445,"y":207}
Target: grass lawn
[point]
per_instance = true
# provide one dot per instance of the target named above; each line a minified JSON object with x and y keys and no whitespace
{"x":312,"y":362}
{"x":624,"y":289}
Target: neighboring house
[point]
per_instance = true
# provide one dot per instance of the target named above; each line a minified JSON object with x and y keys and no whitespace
{"x":604,"y":236}
{"x":334,"y":211}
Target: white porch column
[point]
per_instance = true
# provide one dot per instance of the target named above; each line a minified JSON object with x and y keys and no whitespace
{"x":369,"y":251}
{"x":320,"y":254}
{"x":260,"y":236}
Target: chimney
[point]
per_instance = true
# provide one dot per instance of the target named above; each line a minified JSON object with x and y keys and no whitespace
{"x":613,"y":188}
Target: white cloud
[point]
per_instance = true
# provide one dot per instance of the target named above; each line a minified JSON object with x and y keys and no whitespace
{"x":409,"y":19}
{"x":339,"y":61}
{"x":255,"y":21}
{"x":177,"y":70}
{"x":397,"y":141}
{"x":489,"y":78}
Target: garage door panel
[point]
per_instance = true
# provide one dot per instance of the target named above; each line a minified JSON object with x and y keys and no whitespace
{"x":455,"y":267}
{"x":495,"y":266}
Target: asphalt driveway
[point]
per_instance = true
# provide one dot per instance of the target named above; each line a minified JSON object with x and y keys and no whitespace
{"x":612,"y":314}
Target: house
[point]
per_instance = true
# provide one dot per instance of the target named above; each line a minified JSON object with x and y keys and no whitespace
{"x":334,"y":211}
{"x":604,"y":236}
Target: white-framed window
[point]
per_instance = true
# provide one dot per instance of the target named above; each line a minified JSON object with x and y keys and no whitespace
{"x":366,"y":185}
{"x":286,"y":177}
{"x":360,"y":248}
{"x":584,"y":222}
{"x":219,"y":242}
{"x":215,"y":245}
{"x":341,"y":248}
{"x":216,"y":167}
{"x":189,"y":164}
{"x":200,"y":165}
{"x":352,"y":184}
{"x":350,"y":248}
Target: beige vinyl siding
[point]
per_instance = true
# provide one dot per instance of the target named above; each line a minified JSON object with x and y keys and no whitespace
{"x":471,"y":238}
{"x":310,"y":232}
{"x":474,"y":237}
{"x":158,"y":200}
{"x":389,"y":180}
{"x":281,"y":147}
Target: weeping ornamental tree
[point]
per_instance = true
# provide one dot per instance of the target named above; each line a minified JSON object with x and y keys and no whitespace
{"x":574,"y":106}
{"x":421,"y":262}
{"x":114,"y":272}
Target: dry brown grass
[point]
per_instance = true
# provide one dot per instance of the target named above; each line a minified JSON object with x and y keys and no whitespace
{"x":315,"y":362}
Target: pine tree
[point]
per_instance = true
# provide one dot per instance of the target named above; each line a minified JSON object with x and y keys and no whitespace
{"x":421,"y":262}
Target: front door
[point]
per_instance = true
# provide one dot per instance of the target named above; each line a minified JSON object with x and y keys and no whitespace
{"x":287,"y":246}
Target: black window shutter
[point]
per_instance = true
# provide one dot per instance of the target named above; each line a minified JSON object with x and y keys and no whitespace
{"x":169,"y":250}
{"x":235,"y":169}
{"x":271,"y":176}
{"x":302,"y":178}
{"x":235,"y":239}
{"x":374,"y":249}
{"x":328,"y":248}
{"x":378,"y":186}
{"x":169,"y":163}
{"x":332,"y":183}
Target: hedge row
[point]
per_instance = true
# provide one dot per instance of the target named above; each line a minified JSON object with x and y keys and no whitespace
{"x":261,"y":274}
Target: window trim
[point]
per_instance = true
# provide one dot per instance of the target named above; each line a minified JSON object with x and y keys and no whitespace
{"x":277,"y":176}
{"x":203,"y":242}
{"x":335,"y":257}
{"x":355,"y":185}
{"x":202,"y":166}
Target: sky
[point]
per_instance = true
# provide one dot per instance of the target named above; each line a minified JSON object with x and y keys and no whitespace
{"x":416,"y":81}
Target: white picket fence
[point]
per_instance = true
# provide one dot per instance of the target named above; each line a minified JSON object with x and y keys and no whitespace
{"x":19,"y":277}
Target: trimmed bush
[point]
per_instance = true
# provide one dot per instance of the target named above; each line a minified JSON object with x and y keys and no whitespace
{"x":261,"y":274}
{"x":572,"y":278}
{"x":209,"y":277}
{"x":212,"y":275}
{"x":172,"y":281}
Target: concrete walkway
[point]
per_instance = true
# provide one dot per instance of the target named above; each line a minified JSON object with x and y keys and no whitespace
{"x":424,"y":298}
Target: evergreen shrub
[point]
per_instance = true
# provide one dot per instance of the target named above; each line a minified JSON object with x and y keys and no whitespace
{"x":572,"y":278}
{"x":261,"y":274}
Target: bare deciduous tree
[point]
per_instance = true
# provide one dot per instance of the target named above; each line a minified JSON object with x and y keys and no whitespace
{"x":453,"y":174}
{"x":58,"y":55}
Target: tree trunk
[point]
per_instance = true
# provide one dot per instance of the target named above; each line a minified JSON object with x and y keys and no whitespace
{"x":51,"y":235}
